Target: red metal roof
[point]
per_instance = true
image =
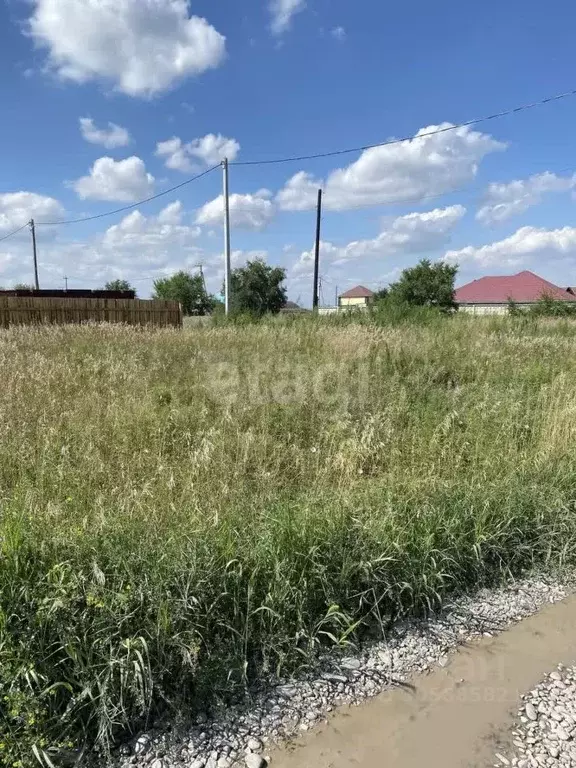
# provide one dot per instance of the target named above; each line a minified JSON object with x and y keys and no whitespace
{"x":523,"y":288}
{"x":358,"y":292}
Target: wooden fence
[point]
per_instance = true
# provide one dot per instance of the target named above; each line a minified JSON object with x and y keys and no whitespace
{"x":19,"y":310}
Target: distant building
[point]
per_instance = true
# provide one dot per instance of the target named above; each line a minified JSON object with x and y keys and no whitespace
{"x":291,"y":307}
{"x":491,"y":295}
{"x":358,"y":297}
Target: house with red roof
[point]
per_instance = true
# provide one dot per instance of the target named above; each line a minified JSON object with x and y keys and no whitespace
{"x":358,"y":297}
{"x":491,"y":295}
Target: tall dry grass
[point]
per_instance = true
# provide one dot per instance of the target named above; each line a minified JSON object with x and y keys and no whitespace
{"x":184,"y":513}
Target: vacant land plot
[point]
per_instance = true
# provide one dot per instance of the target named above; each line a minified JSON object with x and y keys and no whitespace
{"x":186,"y":512}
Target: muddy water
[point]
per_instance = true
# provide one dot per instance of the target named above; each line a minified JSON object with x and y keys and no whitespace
{"x":455,"y":716}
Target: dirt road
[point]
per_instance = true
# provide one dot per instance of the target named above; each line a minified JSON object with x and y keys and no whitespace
{"x":456,"y":716}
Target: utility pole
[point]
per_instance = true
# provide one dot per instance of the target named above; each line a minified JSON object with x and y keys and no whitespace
{"x":227,"y":267}
{"x":65,"y":283}
{"x":336,"y":296}
{"x":33,"y":230}
{"x":201,"y":268}
{"x":317,"y":251}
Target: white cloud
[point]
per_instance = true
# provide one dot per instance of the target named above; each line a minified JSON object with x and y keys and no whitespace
{"x":123,"y":181}
{"x":143,"y":47}
{"x":525,"y":243}
{"x":413,"y":233}
{"x":338,"y":33}
{"x":111,"y":137}
{"x":246,"y":211}
{"x":209,"y":150}
{"x":138,"y":246}
{"x":282,"y":13}
{"x":137,"y":231}
{"x":502,"y":201}
{"x":410,"y":170}
{"x":16,"y":208}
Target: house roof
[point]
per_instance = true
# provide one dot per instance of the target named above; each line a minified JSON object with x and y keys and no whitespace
{"x":358,"y":292}
{"x":525,"y":287}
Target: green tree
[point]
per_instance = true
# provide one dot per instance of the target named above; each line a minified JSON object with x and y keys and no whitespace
{"x":426,"y":285}
{"x":188,"y":289}
{"x":257,"y":288}
{"x":118,"y":285}
{"x":381,"y":294}
{"x":23,"y":287}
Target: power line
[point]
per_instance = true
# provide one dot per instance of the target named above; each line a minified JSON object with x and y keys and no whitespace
{"x":129,"y":207}
{"x":468,"y":123}
{"x":10,"y":234}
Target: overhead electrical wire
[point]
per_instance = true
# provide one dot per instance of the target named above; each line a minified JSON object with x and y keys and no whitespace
{"x":390,"y":142}
{"x":318,"y":155}
{"x":15,"y":232}
{"x":128,"y":207}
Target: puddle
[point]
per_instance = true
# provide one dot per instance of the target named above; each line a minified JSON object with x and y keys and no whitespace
{"x":458,"y":715}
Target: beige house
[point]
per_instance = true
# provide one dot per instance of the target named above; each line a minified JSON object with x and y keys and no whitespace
{"x":358,"y":297}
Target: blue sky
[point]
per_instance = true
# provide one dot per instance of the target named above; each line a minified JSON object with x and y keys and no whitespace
{"x":106,"y":102}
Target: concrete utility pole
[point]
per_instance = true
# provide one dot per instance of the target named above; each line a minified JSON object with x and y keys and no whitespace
{"x":317,"y":251}
{"x":33,"y":230}
{"x":65,"y":283}
{"x":227,"y":262}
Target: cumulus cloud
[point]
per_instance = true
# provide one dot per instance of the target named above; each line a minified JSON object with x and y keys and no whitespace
{"x":142,"y":47}
{"x":124,"y":181}
{"x":338,"y":33}
{"x":16,"y":208}
{"x":137,"y":231}
{"x":525,"y":243}
{"x":413,"y":233}
{"x":282,"y":12}
{"x":409,"y":170}
{"x":246,"y":211}
{"x":208,"y":150}
{"x":111,"y":137}
{"x":139,"y":248}
{"x":503,"y":201}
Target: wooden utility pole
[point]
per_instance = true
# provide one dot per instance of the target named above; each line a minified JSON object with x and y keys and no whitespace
{"x":317,"y":251}
{"x":33,"y":230}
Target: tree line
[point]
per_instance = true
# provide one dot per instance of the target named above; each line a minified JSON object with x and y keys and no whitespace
{"x":258,"y":289}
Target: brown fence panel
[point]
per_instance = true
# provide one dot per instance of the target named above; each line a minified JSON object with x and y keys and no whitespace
{"x":35,"y":310}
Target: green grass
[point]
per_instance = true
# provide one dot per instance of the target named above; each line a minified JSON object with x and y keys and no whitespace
{"x":184,"y":513}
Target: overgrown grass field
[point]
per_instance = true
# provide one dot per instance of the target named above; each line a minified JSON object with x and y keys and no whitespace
{"x":185,"y":513}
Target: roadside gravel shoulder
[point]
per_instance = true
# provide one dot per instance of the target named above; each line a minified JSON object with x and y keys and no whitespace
{"x":244,"y":735}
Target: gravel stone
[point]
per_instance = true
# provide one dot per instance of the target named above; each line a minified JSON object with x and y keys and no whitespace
{"x":254,"y":745}
{"x":255,"y":761}
{"x":142,"y":744}
{"x":531,"y":711}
